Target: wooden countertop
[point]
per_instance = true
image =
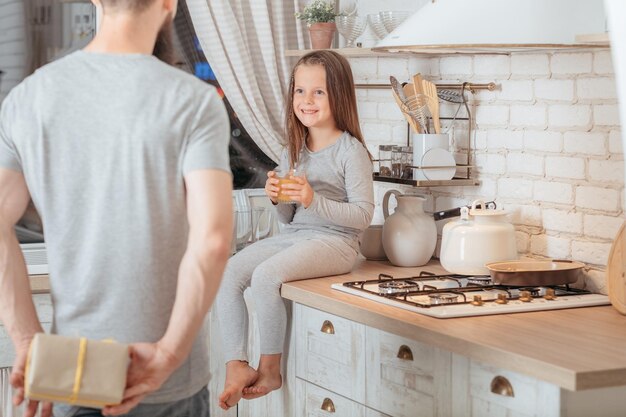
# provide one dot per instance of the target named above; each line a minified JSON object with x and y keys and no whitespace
{"x":576,"y":349}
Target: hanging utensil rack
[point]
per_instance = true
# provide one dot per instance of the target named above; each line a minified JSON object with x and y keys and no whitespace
{"x":447,"y":92}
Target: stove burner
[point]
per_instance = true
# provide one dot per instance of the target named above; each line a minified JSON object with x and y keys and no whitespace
{"x":443,"y":298}
{"x":534,"y":291}
{"x":397,"y":287}
{"x":478,"y":280}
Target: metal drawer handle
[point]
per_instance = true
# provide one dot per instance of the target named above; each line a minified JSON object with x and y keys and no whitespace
{"x":328,"y":328}
{"x":501,"y":386}
{"x":328,"y":405}
{"x":405,"y":353}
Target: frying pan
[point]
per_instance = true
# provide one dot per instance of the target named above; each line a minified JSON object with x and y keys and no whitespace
{"x":535,"y":273}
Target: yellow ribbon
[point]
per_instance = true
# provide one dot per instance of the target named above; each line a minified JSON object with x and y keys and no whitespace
{"x":73,"y":398}
{"x":80,"y":366}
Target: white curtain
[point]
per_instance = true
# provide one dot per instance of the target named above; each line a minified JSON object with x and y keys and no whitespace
{"x":244,"y":42}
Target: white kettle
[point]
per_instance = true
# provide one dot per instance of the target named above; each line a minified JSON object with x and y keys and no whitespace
{"x":480,"y":236}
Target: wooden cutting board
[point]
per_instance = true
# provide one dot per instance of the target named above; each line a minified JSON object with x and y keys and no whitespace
{"x":616,"y":271}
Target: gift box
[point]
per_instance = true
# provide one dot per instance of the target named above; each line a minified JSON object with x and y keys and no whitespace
{"x":76,"y":371}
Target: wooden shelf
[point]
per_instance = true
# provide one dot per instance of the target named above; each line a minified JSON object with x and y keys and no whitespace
{"x":348,"y":52}
{"x":583,"y":42}
{"x":600,"y":39}
{"x":458,"y":182}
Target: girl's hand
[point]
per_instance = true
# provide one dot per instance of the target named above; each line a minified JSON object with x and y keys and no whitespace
{"x":301,"y":191}
{"x":271,"y":187}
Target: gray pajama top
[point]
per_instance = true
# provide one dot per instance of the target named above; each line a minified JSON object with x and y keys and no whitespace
{"x":343,"y":202}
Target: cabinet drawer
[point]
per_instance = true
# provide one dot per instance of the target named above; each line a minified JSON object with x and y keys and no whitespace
{"x":406,"y":378}
{"x":496,"y":391}
{"x":313,"y":401}
{"x":330,"y":352}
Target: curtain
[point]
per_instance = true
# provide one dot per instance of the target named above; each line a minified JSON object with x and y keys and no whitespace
{"x":244,"y":42}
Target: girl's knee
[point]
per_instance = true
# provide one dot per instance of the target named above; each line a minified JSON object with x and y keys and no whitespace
{"x":266,"y":276}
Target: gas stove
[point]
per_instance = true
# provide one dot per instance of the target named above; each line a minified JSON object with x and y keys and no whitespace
{"x":447,"y":296}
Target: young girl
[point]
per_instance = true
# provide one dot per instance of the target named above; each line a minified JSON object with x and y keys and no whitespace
{"x":334,"y":204}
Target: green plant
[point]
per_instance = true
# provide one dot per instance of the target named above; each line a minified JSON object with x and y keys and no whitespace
{"x":319,"y":11}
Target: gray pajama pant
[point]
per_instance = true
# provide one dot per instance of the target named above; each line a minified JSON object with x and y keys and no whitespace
{"x":264,"y":266}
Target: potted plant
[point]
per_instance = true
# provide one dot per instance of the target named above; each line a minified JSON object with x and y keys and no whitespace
{"x":320,"y":18}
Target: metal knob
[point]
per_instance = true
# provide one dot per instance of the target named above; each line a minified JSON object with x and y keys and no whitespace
{"x":550,"y":294}
{"x":327,"y":327}
{"x":478,"y":300}
{"x":328,"y":405}
{"x":502,"y":299}
{"x":524,"y":296}
{"x":405,"y":353}
{"x":501,"y":386}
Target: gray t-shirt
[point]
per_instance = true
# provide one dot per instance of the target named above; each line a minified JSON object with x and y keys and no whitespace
{"x":343,"y":202}
{"x":103,"y":141}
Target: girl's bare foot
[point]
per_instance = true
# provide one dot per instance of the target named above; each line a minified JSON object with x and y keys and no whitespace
{"x":239,"y":375}
{"x":265,"y":384}
{"x":269,"y":378}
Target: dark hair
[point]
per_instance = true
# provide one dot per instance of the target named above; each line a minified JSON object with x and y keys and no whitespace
{"x":341,"y":98}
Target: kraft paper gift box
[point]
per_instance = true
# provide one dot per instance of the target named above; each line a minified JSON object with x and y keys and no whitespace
{"x":76,"y":371}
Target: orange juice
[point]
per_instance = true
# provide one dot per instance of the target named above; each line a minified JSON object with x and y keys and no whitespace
{"x":282,"y":198}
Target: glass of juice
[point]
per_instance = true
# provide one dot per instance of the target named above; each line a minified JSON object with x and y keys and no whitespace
{"x":285,"y":177}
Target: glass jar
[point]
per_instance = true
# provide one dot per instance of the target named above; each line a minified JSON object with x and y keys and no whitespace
{"x":406,"y":161}
{"x":384,"y":160}
{"x":396,"y":161}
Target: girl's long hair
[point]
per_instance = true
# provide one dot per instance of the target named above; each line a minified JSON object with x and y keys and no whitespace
{"x":341,"y":97}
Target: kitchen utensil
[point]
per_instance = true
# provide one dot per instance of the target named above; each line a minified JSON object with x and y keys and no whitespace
{"x":350,"y":27}
{"x":400,"y":97}
{"x":479,"y":237}
{"x":430,"y":90}
{"x":417,"y":84}
{"x":436,"y":157}
{"x":616,"y":271}
{"x":409,"y":234}
{"x":450,"y":96}
{"x":425,"y":155}
{"x":371,"y":244}
{"x":376,"y":23}
{"x":535,"y":272}
{"x":456,"y":212}
{"x":418,"y":109}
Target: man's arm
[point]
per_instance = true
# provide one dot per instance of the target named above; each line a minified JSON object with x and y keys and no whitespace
{"x":209,"y":211}
{"x":17,"y":310}
{"x":210,"y":214}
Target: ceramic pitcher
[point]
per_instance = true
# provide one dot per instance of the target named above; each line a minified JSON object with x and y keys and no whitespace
{"x":409,"y":234}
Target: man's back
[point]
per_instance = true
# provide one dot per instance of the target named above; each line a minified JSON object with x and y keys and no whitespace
{"x":103,"y":141}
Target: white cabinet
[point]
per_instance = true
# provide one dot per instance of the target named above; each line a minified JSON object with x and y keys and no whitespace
{"x":367,"y":370}
{"x":313,"y":401}
{"x":363,"y":371}
{"x":406,"y":378}
{"x":330,"y":352}
{"x":481,"y":390}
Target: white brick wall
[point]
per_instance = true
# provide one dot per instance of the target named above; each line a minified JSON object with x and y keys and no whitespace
{"x":547,"y":145}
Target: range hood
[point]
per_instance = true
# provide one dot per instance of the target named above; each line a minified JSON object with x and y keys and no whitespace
{"x":472,"y":26}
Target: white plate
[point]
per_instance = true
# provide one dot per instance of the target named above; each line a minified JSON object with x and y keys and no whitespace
{"x":438,"y":157}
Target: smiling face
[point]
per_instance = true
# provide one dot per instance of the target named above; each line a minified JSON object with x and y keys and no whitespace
{"x":310,"y":97}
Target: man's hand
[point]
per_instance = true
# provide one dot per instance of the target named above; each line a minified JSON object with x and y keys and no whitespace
{"x":150,"y":366}
{"x":301,"y":191}
{"x":271,"y":186}
{"x":17,"y":382}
